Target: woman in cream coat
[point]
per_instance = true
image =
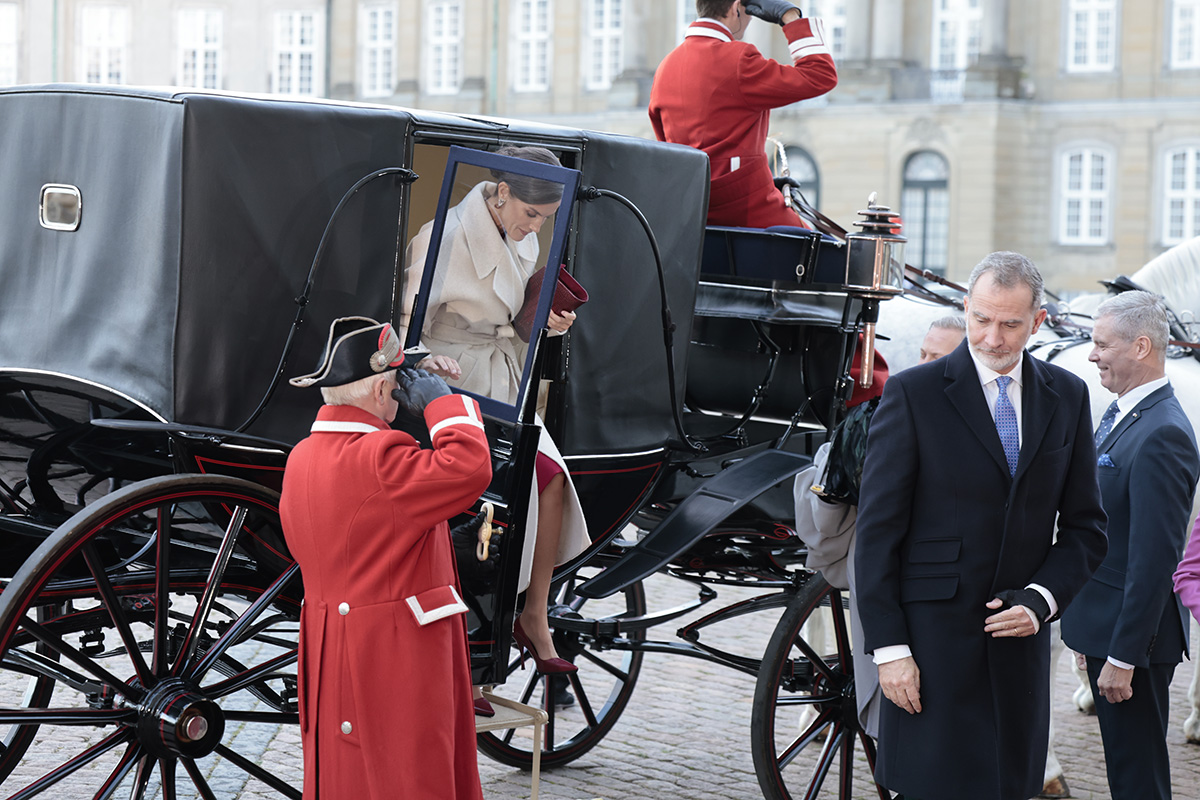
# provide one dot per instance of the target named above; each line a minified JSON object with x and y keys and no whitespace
{"x":489,"y":249}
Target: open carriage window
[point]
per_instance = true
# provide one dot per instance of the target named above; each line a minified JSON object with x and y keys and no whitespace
{"x":479,"y":277}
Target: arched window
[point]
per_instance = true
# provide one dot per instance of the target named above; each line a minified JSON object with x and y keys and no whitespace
{"x":925,"y":210}
{"x":804,"y":169}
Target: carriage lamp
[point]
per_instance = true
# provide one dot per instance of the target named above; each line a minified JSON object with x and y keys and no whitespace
{"x":874,"y":272}
{"x":60,"y":207}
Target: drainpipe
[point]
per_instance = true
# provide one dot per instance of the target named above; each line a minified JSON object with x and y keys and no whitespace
{"x":328,"y":48}
{"x":54,"y":45}
{"x":494,"y":78}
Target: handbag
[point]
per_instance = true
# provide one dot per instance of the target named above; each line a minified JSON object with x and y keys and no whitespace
{"x":568,"y":296}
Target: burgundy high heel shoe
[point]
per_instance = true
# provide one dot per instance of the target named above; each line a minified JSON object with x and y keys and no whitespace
{"x":546,"y":666}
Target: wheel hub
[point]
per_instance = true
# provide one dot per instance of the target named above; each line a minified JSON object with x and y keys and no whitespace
{"x":176,"y":719}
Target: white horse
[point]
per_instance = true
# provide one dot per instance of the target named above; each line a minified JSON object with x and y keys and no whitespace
{"x":1176,"y":276}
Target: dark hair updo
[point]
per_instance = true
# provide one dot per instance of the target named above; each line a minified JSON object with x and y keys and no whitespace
{"x":535,"y":191}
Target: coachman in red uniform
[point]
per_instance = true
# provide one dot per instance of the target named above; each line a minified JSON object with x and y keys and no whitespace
{"x":715,"y":93}
{"x":385,"y":680}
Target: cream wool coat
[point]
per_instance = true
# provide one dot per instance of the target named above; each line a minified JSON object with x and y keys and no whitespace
{"x":478,"y":289}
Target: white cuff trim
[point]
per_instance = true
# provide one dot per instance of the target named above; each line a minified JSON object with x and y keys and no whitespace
{"x":469,"y":418}
{"x":812,"y":45}
{"x":1120,"y":664}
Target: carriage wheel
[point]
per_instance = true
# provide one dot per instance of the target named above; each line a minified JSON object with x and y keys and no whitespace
{"x":161,"y":624}
{"x":600,"y":690}
{"x":804,"y":729}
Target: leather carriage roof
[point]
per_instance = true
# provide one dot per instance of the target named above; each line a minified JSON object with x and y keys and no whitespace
{"x":201,"y":212}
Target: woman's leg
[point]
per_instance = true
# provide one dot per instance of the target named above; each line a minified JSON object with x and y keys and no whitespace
{"x":534,"y":618}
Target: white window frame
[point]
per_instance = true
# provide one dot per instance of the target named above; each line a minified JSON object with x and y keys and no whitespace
{"x":954,"y":47}
{"x":1180,"y":194}
{"x":445,"y":21}
{"x":291,"y":55}
{"x":685,"y":15}
{"x":376,"y":49}
{"x":604,"y":42}
{"x":533,"y":23}
{"x":1091,"y":28}
{"x":1185,"y":34}
{"x":1085,"y":205}
{"x":104,"y":43}
{"x":928,"y":227}
{"x":10,"y":42}
{"x":201,"y":34}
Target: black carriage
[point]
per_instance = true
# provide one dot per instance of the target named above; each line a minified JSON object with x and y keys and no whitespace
{"x":163,"y":258}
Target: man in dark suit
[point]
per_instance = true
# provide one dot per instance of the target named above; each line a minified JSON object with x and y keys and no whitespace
{"x":970,"y":460}
{"x":1127,"y":622}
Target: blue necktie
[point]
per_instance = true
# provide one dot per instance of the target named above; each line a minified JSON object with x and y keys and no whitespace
{"x":1106,"y":423}
{"x":1006,"y":424}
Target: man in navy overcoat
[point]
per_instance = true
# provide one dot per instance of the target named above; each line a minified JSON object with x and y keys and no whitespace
{"x":1127,"y":621}
{"x":961,"y":563}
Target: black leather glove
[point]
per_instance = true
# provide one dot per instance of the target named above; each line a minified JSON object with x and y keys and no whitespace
{"x":418,"y":389}
{"x":476,"y":576}
{"x":770,"y":10}
{"x":1030,"y":598}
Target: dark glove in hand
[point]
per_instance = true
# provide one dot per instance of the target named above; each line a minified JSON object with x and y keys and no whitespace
{"x":418,"y":389}
{"x":770,"y":10}
{"x":1030,"y":598}
{"x":476,"y":576}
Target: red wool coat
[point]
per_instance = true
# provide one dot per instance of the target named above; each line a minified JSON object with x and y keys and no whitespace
{"x":716,"y":94}
{"x":385,"y":703}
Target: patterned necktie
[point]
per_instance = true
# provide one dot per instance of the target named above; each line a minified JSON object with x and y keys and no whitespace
{"x":1006,"y":424}
{"x":1106,"y":423}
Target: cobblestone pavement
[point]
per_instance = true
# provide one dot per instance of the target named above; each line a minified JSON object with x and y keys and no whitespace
{"x":686,"y":733}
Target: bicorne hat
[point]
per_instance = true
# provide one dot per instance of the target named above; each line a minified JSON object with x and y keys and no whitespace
{"x":357,"y":348}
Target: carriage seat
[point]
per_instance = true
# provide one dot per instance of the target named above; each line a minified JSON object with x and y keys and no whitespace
{"x":780,"y":253}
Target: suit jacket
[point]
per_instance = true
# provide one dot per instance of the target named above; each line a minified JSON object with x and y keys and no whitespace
{"x":716,"y":95}
{"x":1128,"y":610}
{"x":364,"y":513}
{"x":941,"y":528}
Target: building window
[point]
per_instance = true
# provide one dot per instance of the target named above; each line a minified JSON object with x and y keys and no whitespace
{"x":685,"y":14}
{"x":833,"y":14}
{"x":1084,"y":177}
{"x":298,"y":64}
{"x":803,"y":169}
{"x":1185,"y":30}
{"x":955,"y":47}
{"x":377,"y":49}
{"x":533,"y":46}
{"x":9,"y":37}
{"x":925,"y":209}
{"x":200,"y":48}
{"x":1091,"y":35}
{"x":1181,"y":201}
{"x":104,"y":31}
{"x":443,"y":47}
{"x":605,"y":34}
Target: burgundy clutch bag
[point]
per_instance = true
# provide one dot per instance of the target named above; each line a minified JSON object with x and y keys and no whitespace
{"x":568,"y":296}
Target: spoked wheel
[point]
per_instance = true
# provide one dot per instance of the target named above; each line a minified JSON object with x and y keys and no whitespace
{"x":158,"y":630}
{"x":598,"y":692}
{"x":804,"y":730}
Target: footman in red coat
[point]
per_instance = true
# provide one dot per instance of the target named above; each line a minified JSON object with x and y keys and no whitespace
{"x":715,"y":92}
{"x":385,"y":680}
